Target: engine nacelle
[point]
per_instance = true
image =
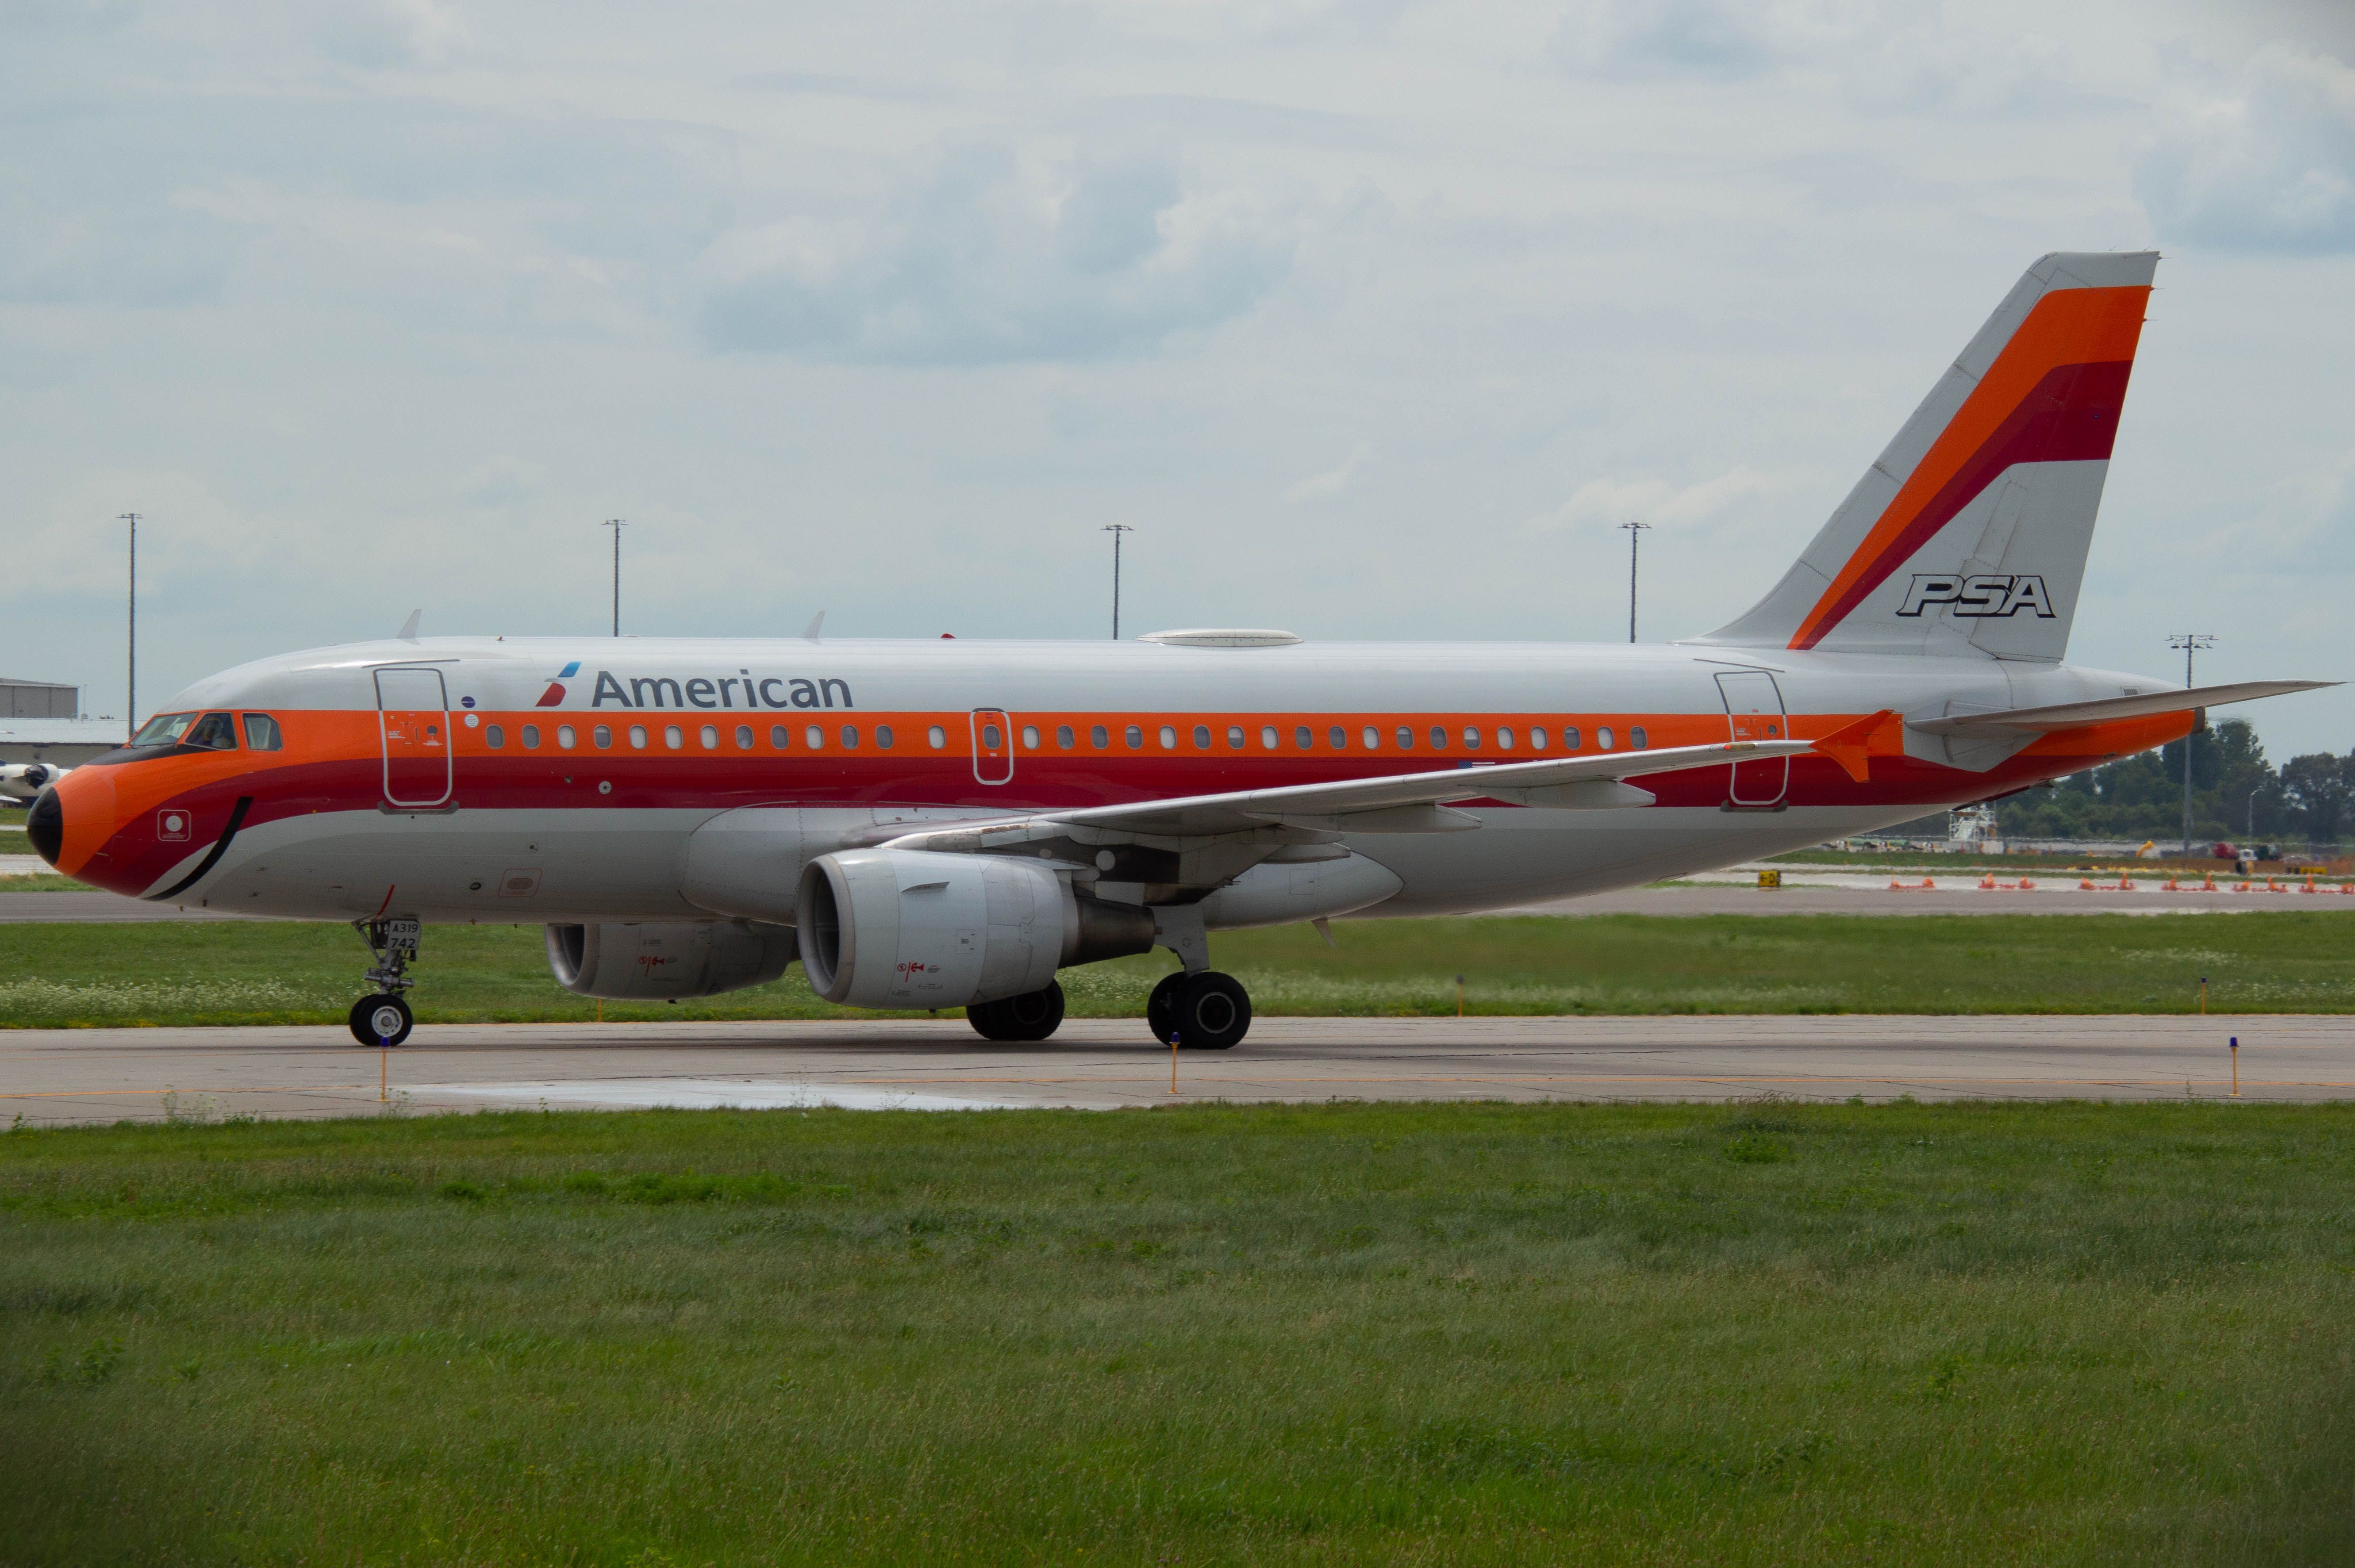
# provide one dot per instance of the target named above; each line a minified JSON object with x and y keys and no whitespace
{"x":662,"y":962}
{"x":913,"y":928}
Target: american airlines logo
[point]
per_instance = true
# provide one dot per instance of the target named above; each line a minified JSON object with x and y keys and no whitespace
{"x":741,"y":690}
{"x":1981,"y":597}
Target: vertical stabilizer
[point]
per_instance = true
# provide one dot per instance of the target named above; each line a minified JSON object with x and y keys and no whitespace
{"x":1968,"y":536}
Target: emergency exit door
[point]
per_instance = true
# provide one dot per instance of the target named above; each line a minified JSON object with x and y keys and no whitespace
{"x":1754,"y":711}
{"x":993,"y":747}
{"x":413,"y":713}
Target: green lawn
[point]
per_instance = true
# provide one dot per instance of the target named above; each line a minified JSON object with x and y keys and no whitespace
{"x":284,"y":972}
{"x":1464,"y":1334}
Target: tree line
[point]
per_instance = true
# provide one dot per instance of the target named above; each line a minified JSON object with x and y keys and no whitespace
{"x":2236,"y":794}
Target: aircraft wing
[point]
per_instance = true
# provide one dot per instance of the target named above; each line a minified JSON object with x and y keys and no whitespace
{"x":1404,"y":802}
{"x":2070,"y":715}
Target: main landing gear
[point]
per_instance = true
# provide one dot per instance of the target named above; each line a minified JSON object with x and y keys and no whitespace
{"x":384,"y":1018}
{"x":1205,"y":1011}
{"x":1032,"y":1016}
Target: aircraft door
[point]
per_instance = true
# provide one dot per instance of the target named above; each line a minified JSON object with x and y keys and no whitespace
{"x":993,"y":747}
{"x":1754,"y":711}
{"x":413,"y":713}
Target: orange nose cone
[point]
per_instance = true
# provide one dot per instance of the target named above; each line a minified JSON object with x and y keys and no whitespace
{"x":46,"y":826}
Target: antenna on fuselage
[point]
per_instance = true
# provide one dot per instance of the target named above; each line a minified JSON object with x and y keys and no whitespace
{"x":409,"y":627}
{"x":817,"y":624}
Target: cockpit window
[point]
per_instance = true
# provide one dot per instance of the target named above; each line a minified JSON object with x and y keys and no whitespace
{"x":261,"y":732}
{"x":164,"y":729}
{"x":213,"y":732}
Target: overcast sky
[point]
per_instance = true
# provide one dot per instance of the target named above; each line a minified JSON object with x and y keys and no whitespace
{"x":1372,"y":319}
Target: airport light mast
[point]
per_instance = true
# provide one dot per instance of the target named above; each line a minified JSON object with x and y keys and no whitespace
{"x":1635,"y":531}
{"x":1115,"y":530}
{"x":131,"y":627}
{"x":2190,"y":642}
{"x":616,"y":524}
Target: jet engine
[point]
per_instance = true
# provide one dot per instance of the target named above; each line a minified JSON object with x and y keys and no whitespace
{"x":625,"y":962}
{"x":24,"y":781}
{"x":917,"y":929}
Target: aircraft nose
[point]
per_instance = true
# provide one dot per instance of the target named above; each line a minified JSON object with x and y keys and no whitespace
{"x":46,"y":826}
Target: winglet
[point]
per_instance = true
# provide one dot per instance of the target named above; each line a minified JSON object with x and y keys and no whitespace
{"x":817,"y":625}
{"x":409,"y":627}
{"x":1855,"y":746}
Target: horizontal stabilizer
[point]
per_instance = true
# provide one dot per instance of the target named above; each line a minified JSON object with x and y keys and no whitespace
{"x":2073,"y":715}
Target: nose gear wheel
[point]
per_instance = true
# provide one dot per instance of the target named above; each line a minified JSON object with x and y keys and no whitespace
{"x":381,"y":1021}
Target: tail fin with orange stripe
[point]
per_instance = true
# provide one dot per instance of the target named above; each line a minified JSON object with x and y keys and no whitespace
{"x":1968,"y":536}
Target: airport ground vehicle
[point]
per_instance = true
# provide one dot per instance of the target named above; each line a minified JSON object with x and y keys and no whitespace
{"x":934,"y":824}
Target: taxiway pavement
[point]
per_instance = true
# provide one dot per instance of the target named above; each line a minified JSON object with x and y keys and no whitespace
{"x":106,"y":1074}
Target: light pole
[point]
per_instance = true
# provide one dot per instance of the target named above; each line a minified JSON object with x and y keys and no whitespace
{"x":616,"y":524}
{"x":131,"y":626}
{"x":1117,"y":530}
{"x":2190,"y":642}
{"x":1635,"y":531}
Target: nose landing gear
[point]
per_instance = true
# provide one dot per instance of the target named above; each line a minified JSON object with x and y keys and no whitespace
{"x":384,"y":1018}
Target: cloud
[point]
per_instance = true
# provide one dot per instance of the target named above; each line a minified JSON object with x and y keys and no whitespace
{"x":1332,"y":482}
{"x":1657,"y":502}
{"x":2269,"y":166}
{"x":991,"y":260}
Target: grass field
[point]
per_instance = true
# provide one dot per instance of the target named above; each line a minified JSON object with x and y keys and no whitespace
{"x":1760,"y":1334}
{"x":278,"y":973}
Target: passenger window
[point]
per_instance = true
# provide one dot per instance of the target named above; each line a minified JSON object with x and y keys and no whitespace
{"x":1504,"y":739}
{"x":1338,"y":738}
{"x":1234,"y":737}
{"x":1267,"y":737}
{"x":603,"y":736}
{"x":1136,"y":738}
{"x":777,"y":734}
{"x":1099,"y":737}
{"x":1029,"y":738}
{"x":1372,"y":738}
{"x":1168,"y":737}
{"x":989,"y":736}
{"x":495,"y":737}
{"x":1602,"y":738}
{"x":214,"y":733}
{"x":1063,"y":736}
{"x":1471,"y":738}
{"x":1405,"y":738}
{"x":638,"y":736}
{"x":743,"y":737}
{"x":938,"y":736}
{"x":1537,"y":737}
{"x":850,"y":738}
{"x":883,"y":737}
{"x":261,"y":732}
{"x":1438,"y":739}
{"x":564,"y":735}
{"x":1201,"y":738}
{"x":1637,"y":738}
{"x":531,"y":738}
{"x":1301,"y":738}
{"x":710,"y":737}
{"x":674,"y":736}
{"x":813,"y":738}
{"x":1570,"y":737}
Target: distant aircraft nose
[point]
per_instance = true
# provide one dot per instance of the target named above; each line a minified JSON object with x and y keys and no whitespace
{"x":46,"y":826}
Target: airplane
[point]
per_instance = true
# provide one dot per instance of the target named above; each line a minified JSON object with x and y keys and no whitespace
{"x":935,"y":825}
{"x":20,"y":781}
